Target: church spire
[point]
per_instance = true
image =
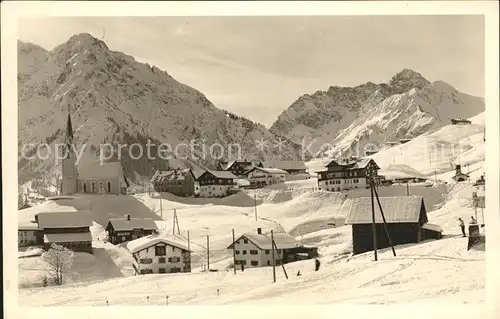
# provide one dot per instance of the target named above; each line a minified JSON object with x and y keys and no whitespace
{"x":69,"y":128}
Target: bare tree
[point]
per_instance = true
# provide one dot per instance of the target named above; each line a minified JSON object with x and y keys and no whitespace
{"x":59,"y":259}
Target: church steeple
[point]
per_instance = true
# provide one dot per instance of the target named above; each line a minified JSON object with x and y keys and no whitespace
{"x":69,"y":128}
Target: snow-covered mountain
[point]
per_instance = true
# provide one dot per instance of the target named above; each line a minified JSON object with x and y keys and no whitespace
{"x":114,"y":98}
{"x":343,"y":120}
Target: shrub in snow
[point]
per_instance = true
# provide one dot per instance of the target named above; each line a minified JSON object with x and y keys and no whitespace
{"x":59,"y":260}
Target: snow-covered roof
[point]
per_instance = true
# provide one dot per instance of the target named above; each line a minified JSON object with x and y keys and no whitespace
{"x":134,"y":223}
{"x":98,"y":171}
{"x":352,"y":163}
{"x":222,"y":174}
{"x":284,"y":165}
{"x":147,"y":241}
{"x":30,"y":226}
{"x":395,"y":171}
{"x":67,"y":237}
{"x":64,"y":219}
{"x":401,"y":209}
{"x":171,"y":175}
{"x":282,"y":240}
{"x":226,"y":165}
{"x":268,"y":170}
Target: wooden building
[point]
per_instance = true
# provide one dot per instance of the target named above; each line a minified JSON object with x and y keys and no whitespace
{"x":126,"y":229}
{"x":254,"y":250}
{"x":460,"y":121}
{"x":406,"y":219}
{"x":155,"y":254}
{"x":68,"y":229}
{"x":180,"y":182}
{"x":346,"y":173}
{"x":260,"y":176}
{"x":216,"y":183}
{"x":237,"y":167}
{"x":291,"y":167}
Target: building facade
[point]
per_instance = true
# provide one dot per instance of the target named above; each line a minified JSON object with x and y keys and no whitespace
{"x":346,"y":174}
{"x":127,"y":229}
{"x":180,"y":182}
{"x":216,"y":183}
{"x":291,"y":167}
{"x":260,"y":177}
{"x":158,"y":255}
{"x":94,"y":178}
{"x":29,"y":235}
{"x":255,"y":250}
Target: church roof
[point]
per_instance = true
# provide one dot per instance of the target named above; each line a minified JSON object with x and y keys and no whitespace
{"x":97,"y":171}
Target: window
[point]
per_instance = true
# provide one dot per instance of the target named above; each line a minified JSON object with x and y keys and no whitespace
{"x":84,"y":187}
{"x":253,"y":252}
{"x":93,"y":187}
{"x":124,"y":238}
{"x":237,"y":252}
{"x":161,"y":260}
{"x":254,"y":263}
{"x":173,"y":259}
{"x":245,"y":241}
{"x":146,"y":261}
{"x":160,"y":251}
{"x":161,"y":270}
{"x":175,"y":269}
{"x":268,"y":262}
{"x":109,"y":187}
{"x":244,"y":252}
{"x":267,"y":251}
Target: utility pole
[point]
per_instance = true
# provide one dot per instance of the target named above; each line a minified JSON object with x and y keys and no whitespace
{"x":208,"y":253}
{"x":189,"y":242}
{"x":272,"y":256}
{"x":255,"y":204}
{"x":407,"y":188}
{"x":175,"y":221}
{"x":374,"y":228}
{"x":282,"y":265}
{"x":435,"y":176}
{"x":234,"y":255}
{"x":383,"y":219}
{"x":161,"y":208}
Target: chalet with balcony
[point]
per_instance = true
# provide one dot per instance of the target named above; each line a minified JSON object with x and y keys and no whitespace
{"x":255,"y":250}
{"x":216,"y":183}
{"x":346,"y":174}
{"x":159,"y":255}
{"x":68,"y":229}
{"x":180,"y":182}
{"x":260,"y":176}
{"x":126,"y":229}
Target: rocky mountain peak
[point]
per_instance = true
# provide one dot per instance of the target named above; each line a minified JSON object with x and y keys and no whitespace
{"x":408,"y":79}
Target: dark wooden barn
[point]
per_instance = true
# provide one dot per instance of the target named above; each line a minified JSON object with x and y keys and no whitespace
{"x":406,"y":219}
{"x":68,"y":229}
{"x":126,"y":229}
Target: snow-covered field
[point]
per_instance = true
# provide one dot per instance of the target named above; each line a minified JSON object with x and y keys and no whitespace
{"x":432,"y":271}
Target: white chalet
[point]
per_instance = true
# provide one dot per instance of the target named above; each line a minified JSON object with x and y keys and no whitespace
{"x":346,"y":173}
{"x":254,"y":250}
{"x":155,"y":254}
{"x":261,"y":176}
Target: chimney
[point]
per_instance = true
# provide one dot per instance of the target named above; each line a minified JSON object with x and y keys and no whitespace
{"x":458,"y":169}
{"x":259,"y":231}
{"x":128,"y":217}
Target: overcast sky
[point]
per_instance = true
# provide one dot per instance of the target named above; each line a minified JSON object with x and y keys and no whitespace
{"x":258,"y":66}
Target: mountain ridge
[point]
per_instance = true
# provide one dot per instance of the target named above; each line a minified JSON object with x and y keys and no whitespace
{"x":328,"y":120}
{"x":113,"y":99}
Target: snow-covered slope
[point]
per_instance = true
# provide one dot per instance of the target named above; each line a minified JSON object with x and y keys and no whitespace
{"x":115,"y":99}
{"x":432,"y":271}
{"x":344,"y":120}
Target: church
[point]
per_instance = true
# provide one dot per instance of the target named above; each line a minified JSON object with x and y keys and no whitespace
{"x":92,"y":178}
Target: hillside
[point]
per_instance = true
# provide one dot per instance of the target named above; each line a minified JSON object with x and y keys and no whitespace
{"x":115,"y":99}
{"x":343,"y":120}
